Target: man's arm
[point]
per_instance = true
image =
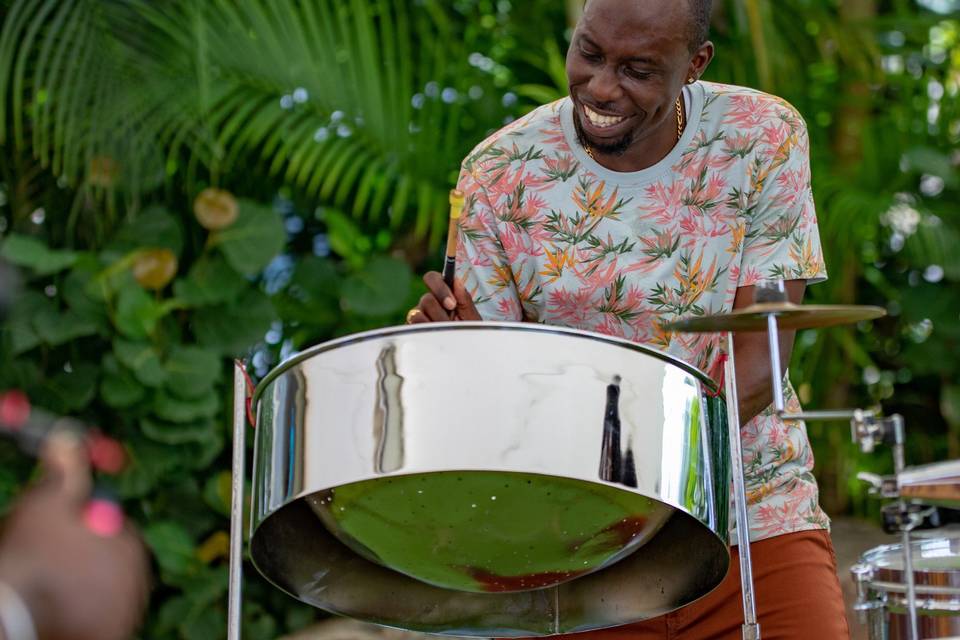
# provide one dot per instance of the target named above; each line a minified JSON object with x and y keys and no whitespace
{"x":752,"y":355}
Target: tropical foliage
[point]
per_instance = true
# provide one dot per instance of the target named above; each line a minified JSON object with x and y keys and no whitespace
{"x":335,"y":128}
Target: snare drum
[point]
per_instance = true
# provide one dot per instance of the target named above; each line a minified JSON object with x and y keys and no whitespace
{"x":882,"y":591}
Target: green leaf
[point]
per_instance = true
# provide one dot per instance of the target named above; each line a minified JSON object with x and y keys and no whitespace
{"x":154,"y":227}
{"x":345,"y":237}
{"x":142,"y":360}
{"x":313,"y":295}
{"x":137,"y":313}
{"x":71,"y":391}
{"x":174,"y":409}
{"x":192,"y":372}
{"x":235,"y":328}
{"x":217,"y":492}
{"x":172,"y":546}
{"x":82,"y":293}
{"x":56,"y":328}
{"x":950,"y":404}
{"x":169,"y":433}
{"x":19,"y":327}
{"x":380,"y":289}
{"x":33,"y":254}
{"x":210,"y":281}
{"x":121,"y":390}
{"x":253,"y":240}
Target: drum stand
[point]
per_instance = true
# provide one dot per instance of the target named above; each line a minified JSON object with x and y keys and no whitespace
{"x":234,"y":602}
{"x":867,"y":431}
{"x":751,"y":628}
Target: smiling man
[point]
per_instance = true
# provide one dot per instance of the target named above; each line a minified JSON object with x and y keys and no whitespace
{"x":645,"y":196}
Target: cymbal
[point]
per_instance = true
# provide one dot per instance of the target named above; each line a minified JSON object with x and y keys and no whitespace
{"x":789,"y":316}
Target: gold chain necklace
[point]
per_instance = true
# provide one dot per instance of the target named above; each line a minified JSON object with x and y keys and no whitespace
{"x":680,"y":123}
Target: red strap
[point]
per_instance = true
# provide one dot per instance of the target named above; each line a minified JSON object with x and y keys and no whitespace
{"x":248,"y":392}
{"x":722,"y":361}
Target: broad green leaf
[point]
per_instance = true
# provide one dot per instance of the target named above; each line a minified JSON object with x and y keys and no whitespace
{"x":380,"y":289}
{"x":313,"y":295}
{"x":154,"y":227}
{"x":137,"y":313}
{"x":172,"y":546}
{"x":210,"y":281}
{"x":59,"y":327}
{"x":121,"y":390}
{"x":233,"y":329}
{"x":174,"y":409}
{"x":68,"y":392}
{"x":255,"y":239}
{"x":33,"y":254}
{"x":950,"y":404}
{"x":217,"y":492}
{"x":82,"y":292}
{"x":192,"y":372}
{"x":22,"y":334}
{"x":142,"y":360}
{"x":170,"y":433}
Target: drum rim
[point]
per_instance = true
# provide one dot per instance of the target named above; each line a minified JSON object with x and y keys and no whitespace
{"x":385,"y":332}
{"x":873,"y":557}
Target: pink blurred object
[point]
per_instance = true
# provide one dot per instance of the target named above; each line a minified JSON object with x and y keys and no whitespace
{"x":14,"y":409}
{"x":103,"y":517}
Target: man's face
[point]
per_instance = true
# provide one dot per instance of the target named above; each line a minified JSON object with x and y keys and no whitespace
{"x":626,"y":66}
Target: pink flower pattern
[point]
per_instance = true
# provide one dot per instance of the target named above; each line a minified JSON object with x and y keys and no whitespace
{"x":550,"y":236}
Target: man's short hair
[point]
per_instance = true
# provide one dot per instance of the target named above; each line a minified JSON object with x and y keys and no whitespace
{"x":700,"y":13}
{"x":702,"y":10}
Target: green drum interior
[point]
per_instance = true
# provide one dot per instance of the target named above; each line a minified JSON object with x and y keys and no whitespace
{"x":481,"y":531}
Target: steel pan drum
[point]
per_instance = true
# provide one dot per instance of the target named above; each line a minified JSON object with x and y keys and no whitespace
{"x":882,"y":588}
{"x":490,"y":479}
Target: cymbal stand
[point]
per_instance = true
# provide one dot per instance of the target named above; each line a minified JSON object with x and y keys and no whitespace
{"x":751,"y":628}
{"x":235,"y":593}
{"x":868,"y":431}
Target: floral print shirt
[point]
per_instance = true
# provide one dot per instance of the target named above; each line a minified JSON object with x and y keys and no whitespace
{"x":549,"y":235}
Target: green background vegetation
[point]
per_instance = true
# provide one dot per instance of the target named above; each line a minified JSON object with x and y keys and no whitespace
{"x":339,"y":125}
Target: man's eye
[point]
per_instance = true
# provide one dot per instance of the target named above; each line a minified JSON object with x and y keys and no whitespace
{"x":592,"y":57}
{"x":636,"y":74}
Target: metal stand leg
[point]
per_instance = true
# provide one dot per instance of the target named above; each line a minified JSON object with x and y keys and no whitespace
{"x":236,"y":502}
{"x":907,"y":523}
{"x":751,"y":628}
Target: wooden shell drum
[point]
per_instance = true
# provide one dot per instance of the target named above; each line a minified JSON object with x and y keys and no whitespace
{"x":881,"y":587}
{"x":490,"y":479}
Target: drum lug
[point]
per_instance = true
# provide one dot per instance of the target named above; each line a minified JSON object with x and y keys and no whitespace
{"x":862,"y":575}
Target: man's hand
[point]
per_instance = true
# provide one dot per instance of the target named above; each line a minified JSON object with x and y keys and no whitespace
{"x":440,"y":304}
{"x":78,"y":585}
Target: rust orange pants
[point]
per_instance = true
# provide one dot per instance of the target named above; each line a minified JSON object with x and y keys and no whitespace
{"x":797,"y":592}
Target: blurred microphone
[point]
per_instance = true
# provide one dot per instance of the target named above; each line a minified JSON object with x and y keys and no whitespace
{"x":9,"y":285}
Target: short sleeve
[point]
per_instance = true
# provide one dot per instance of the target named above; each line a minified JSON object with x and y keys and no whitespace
{"x":782,"y":239}
{"x":482,"y":264}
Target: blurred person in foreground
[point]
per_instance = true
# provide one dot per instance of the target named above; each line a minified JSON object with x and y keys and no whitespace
{"x":70,"y":568}
{"x":646,"y":196}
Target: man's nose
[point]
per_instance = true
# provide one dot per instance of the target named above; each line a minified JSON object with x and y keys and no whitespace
{"x":604,"y":86}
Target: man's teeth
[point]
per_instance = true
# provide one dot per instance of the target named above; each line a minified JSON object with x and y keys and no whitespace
{"x":598,"y":120}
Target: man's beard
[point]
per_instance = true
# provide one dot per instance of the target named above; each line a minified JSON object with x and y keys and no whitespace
{"x":616,"y":148}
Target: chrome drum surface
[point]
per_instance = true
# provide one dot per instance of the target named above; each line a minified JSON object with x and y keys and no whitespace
{"x":490,"y":479}
{"x":936,"y":562}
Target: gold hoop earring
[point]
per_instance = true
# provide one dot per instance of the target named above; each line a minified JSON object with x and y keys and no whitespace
{"x":691,"y":80}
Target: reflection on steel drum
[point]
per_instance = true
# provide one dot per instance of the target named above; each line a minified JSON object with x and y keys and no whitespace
{"x":489,"y":532}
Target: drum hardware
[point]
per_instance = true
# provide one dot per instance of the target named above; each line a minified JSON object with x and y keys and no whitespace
{"x":771,"y":312}
{"x":751,"y":627}
{"x":883,"y":599}
{"x":235,"y":585}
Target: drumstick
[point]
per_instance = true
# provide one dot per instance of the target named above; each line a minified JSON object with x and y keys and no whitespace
{"x":450,"y":262}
